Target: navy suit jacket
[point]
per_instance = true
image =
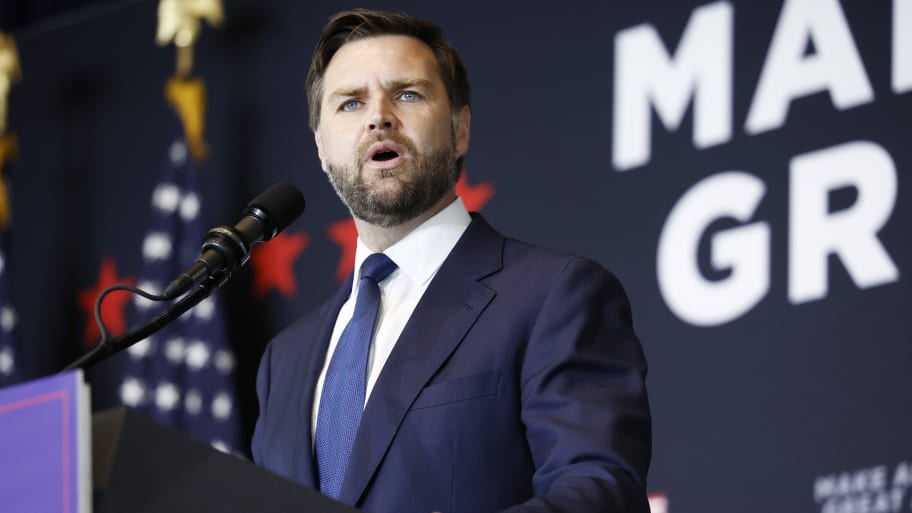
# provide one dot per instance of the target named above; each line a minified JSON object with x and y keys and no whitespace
{"x":518,"y":383}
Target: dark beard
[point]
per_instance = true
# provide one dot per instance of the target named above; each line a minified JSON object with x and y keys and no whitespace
{"x":433,"y":175}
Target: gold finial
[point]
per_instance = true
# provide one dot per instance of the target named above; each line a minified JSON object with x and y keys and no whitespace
{"x":9,"y":72}
{"x":179,"y":21}
{"x":188,"y":98}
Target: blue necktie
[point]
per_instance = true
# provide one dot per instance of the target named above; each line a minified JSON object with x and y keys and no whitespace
{"x":342,"y":399}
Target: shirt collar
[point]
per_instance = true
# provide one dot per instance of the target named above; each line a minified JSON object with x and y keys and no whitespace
{"x":420,"y":253}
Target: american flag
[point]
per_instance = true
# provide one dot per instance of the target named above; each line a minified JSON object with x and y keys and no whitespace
{"x":183,"y":375}
{"x":8,"y":317}
{"x":8,"y":374}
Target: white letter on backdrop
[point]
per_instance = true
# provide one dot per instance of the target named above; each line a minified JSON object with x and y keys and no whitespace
{"x":788,"y":73}
{"x":645,"y":76}
{"x":745,"y":250}
{"x":851,"y":233}
{"x":902,"y":46}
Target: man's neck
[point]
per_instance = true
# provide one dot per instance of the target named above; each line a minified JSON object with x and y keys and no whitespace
{"x":378,"y":238}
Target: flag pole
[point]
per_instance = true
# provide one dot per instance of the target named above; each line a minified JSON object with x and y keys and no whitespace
{"x":10,"y":71}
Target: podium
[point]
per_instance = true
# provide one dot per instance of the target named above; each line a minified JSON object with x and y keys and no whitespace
{"x":137,"y":464}
{"x":142,"y":466}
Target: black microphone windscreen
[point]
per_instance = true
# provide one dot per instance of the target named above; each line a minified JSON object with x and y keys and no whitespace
{"x":282,"y":202}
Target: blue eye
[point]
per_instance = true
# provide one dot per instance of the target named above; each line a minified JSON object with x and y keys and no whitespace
{"x":350,"y":105}
{"x":410,"y":96}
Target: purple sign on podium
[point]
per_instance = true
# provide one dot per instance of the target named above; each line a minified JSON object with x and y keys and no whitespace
{"x":44,"y":440}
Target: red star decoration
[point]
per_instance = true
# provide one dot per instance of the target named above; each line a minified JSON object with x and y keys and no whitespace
{"x":112,"y":308}
{"x":345,"y":234}
{"x":474,"y":196}
{"x":273,"y":264}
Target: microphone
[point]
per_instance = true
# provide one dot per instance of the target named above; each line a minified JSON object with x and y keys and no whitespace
{"x":228,"y":248}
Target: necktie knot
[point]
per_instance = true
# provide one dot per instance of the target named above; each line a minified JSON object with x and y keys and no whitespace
{"x":377,"y":266}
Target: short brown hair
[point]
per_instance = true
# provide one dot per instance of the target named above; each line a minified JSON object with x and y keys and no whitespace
{"x":349,"y":26}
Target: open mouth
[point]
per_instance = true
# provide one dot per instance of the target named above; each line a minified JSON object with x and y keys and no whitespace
{"x":383,"y":156}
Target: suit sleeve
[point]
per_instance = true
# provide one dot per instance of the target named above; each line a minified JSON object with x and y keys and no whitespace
{"x":584,"y":402}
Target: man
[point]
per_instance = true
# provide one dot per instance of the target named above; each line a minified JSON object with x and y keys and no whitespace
{"x":485,"y":374}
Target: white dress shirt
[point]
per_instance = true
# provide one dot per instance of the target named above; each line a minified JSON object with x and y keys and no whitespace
{"x":419,"y":255}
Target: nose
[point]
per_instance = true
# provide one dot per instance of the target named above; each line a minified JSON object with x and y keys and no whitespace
{"x":381,"y":115}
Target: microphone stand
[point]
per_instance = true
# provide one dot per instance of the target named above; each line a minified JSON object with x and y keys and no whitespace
{"x":105,"y":350}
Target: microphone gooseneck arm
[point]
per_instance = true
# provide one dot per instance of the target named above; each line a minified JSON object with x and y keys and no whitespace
{"x":225,"y":250}
{"x":105,"y":350}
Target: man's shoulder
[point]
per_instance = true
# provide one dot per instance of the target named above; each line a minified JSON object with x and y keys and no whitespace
{"x":518,"y":252}
{"x":549,"y":267}
{"x":528,"y":256}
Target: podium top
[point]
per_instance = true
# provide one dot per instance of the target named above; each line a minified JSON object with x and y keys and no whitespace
{"x":145,"y":467}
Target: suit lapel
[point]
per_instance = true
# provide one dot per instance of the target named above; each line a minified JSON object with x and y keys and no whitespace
{"x":448,"y":309}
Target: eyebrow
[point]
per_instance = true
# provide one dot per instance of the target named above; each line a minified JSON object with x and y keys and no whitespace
{"x":390,"y":86}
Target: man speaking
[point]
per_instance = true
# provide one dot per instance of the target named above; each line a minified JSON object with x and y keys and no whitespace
{"x":457,"y":370}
